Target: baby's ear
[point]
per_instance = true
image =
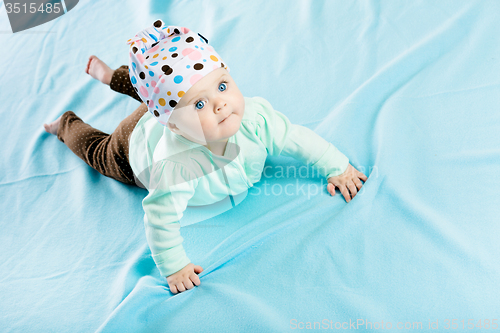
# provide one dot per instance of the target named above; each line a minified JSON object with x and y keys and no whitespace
{"x":171,"y":126}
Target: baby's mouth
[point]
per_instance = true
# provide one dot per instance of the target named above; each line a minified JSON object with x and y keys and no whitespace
{"x":225,"y":118}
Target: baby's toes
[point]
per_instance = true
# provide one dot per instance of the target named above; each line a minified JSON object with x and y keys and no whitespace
{"x":92,"y":63}
{"x":88,"y":65}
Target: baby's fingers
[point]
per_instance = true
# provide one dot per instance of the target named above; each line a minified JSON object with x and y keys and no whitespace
{"x":352,"y":188}
{"x":195,"y":279}
{"x":331,"y":188}
{"x":362,"y":176}
{"x":173,"y":288}
{"x":345,"y":192}
{"x":180,"y":287}
{"x":358,"y":183}
{"x":188,"y":283}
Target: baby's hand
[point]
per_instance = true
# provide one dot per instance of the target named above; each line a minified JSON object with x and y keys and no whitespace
{"x":179,"y":281}
{"x":346,"y":180}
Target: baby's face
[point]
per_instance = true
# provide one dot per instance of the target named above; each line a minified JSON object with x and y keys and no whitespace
{"x":210,"y":111}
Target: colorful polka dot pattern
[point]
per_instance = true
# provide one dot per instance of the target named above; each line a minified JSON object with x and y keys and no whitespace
{"x":165,"y":61}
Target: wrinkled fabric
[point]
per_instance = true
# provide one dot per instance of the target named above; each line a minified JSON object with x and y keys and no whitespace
{"x":407,"y":90}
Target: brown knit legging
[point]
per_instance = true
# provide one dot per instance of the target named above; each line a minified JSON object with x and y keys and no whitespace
{"x":107,"y":153}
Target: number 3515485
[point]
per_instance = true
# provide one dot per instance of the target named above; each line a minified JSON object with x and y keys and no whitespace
{"x":42,"y":8}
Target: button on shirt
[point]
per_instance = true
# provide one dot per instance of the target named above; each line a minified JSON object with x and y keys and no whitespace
{"x":179,"y":173}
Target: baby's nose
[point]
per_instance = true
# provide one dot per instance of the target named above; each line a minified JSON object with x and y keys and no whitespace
{"x":224,"y":104}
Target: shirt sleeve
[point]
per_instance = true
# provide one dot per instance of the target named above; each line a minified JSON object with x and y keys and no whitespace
{"x":170,"y":187}
{"x":281,"y":137}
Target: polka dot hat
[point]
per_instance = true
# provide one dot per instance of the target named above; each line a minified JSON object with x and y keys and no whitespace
{"x":165,"y":61}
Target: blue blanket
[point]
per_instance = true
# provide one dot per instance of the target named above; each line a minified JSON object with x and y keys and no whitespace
{"x":408,"y":91}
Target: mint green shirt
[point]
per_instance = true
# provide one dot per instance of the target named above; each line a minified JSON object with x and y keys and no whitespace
{"x":179,"y":173}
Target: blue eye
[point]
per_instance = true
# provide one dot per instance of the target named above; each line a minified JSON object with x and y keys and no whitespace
{"x":198,"y":104}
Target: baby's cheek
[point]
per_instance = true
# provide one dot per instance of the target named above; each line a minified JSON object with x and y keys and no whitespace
{"x":206,"y":125}
{"x":241,"y":104}
{"x":242,"y":107}
{"x":210,"y":128}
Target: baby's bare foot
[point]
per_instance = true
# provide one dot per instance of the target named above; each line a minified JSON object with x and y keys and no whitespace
{"x":53,"y":126}
{"x":99,"y":70}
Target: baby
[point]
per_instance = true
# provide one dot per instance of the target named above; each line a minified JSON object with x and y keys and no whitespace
{"x":193,"y":141}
